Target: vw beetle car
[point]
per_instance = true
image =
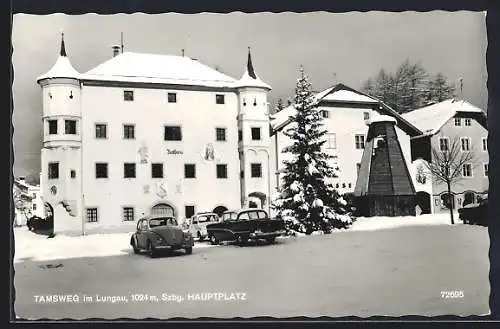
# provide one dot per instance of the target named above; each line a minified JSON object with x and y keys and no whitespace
{"x":198,"y":224}
{"x":475,"y":213}
{"x":157,"y":233}
{"x":244,"y":225}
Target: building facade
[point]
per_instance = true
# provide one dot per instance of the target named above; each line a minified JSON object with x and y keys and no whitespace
{"x":144,"y":133}
{"x":30,"y":198}
{"x":346,"y":114}
{"x":445,"y":123}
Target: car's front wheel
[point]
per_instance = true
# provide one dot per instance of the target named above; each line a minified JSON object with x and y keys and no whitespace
{"x":134,"y":245}
{"x":189,"y":250}
{"x":213,"y":239}
{"x":151,"y":250}
{"x":200,"y":237}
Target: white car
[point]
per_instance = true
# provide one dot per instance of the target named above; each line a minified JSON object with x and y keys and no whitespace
{"x":198,"y":224}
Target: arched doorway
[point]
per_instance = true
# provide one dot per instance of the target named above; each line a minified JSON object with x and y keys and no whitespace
{"x":469,"y":197}
{"x":259,"y":200}
{"x":423,"y":200}
{"x":163,"y":209}
{"x":219,"y":210}
{"x":447,"y":201}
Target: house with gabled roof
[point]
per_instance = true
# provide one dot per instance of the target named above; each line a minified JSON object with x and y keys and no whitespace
{"x":151,"y":134}
{"x":441,"y":123}
{"x":346,"y":113}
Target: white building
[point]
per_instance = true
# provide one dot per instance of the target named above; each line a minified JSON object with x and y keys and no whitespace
{"x":33,"y":201}
{"x":444,"y":123}
{"x":346,"y":113}
{"x":143,"y":133}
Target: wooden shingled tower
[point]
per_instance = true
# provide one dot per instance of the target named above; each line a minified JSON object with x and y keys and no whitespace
{"x":384,"y":186}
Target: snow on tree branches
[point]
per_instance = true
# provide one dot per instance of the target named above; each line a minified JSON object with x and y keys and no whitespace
{"x":307,"y":200}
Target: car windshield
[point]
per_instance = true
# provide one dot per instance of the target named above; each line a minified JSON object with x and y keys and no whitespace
{"x":162,"y":221}
{"x":207,"y":219}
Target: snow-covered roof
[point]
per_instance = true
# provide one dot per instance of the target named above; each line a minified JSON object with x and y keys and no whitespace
{"x":62,"y":68}
{"x":341,"y":94}
{"x":382,"y":118}
{"x":431,"y":118}
{"x":250,"y":77}
{"x":154,"y":68}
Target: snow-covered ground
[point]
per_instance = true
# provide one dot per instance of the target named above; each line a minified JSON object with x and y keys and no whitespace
{"x":30,"y":246}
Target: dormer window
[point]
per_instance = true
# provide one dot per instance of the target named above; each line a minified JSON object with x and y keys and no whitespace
{"x":366,"y":115}
{"x":128,"y":95}
{"x":458,"y":122}
{"x":467,"y":122}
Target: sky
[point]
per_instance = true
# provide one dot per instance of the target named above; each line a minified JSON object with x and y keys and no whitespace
{"x":333,"y":48}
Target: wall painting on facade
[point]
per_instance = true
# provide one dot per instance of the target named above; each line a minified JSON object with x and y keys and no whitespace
{"x":144,"y":154}
{"x":161,"y":190}
{"x":208,"y":153}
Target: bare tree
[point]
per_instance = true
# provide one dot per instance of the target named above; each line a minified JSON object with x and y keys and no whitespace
{"x":450,"y":162}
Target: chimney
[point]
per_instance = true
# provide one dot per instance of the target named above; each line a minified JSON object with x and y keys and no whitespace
{"x":116,"y":50}
{"x":182,"y":52}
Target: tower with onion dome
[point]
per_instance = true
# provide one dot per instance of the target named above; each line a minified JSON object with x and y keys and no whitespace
{"x":61,"y":160}
{"x":254,"y":145}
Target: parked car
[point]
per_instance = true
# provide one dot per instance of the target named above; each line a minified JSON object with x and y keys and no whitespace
{"x":36,"y":223}
{"x":198,"y":224}
{"x":157,"y":233}
{"x":475,"y":213}
{"x":244,"y":225}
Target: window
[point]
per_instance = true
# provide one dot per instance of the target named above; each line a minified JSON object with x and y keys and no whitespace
{"x":70,"y":127}
{"x":331,"y":142}
{"x":172,"y":97}
{"x":52,"y":127}
{"x":101,"y":170}
{"x":34,"y":206}
{"x":485,"y":144}
{"x":219,"y":99}
{"x":256,"y":134}
{"x":366,"y":115}
{"x":157,"y":170}
{"x":465,"y":144}
{"x":220,"y":134}
{"x":100,"y":130}
{"x":350,"y":185}
{"x":129,"y":170}
{"x":359,"y":141}
{"x":53,"y":170}
{"x":128,"y":214}
{"x":128,"y":95}
{"x":467,"y":122}
{"x":173,"y":133}
{"x":189,"y":211}
{"x":240,"y":135}
{"x":325,"y":114}
{"x":458,"y":122}
{"x":256,"y":169}
{"x":128,"y":131}
{"x":92,"y":215}
{"x":189,"y":171}
{"x":242,"y":174}
{"x":443,"y":144}
{"x":358,"y":166}
{"x":221,"y":171}
{"x":467,"y":170}
{"x":72,"y":173}
{"x":486,"y":167}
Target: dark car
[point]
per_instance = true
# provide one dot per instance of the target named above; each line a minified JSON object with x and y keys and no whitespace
{"x":475,"y":213}
{"x":244,"y":225}
{"x":36,"y":223}
{"x":157,"y":233}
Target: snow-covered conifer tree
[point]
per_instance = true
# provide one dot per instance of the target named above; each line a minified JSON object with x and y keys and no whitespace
{"x":307,"y":200}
